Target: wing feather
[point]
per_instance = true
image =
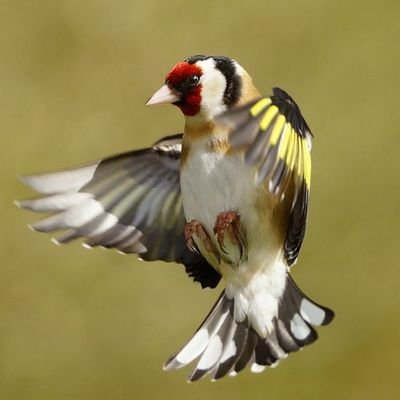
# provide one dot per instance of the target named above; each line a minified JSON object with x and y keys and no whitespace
{"x":277,"y":142}
{"x":131,"y":202}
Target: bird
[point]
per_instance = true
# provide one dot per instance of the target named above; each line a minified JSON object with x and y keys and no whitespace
{"x":227,"y":198}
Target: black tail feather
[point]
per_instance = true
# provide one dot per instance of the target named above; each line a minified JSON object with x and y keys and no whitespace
{"x":224,"y":346}
{"x":247,"y":351}
{"x":233,"y":348}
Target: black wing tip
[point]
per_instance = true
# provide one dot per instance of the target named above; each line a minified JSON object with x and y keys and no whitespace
{"x":196,"y":375}
{"x":329,"y":316}
{"x":279,"y":93}
{"x":290,"y":109}
{"x":312,"y":336}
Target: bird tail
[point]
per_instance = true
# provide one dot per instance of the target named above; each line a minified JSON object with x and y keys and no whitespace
{"x":224,"y":346}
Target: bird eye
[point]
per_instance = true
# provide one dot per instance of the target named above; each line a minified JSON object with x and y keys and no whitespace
{"x":192,"y":81}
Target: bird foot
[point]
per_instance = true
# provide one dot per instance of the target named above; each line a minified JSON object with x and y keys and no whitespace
{"x":195,"y":228}
{"x":228,"y":222}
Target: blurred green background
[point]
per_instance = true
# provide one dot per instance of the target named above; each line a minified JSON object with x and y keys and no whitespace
{"x":74,"y":76}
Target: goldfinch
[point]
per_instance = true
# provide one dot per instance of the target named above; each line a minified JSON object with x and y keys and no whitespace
{"x":228,"y":199}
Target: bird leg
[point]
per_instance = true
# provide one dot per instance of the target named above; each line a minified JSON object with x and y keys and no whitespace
{"x":225,"y":220}
{"x":195,"y":228}
{"x":227,"y":226}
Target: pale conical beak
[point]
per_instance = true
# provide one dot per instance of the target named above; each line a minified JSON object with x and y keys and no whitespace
{"x":163,"y":96}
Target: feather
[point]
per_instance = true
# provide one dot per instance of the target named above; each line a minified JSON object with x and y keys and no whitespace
{"x":131,"y":202}
{"x":277,"y":143}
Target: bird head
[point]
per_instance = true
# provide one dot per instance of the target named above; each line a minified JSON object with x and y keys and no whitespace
{"x":204,"y":86}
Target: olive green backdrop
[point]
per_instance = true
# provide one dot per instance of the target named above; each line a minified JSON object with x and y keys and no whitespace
{"x":74,"y":77}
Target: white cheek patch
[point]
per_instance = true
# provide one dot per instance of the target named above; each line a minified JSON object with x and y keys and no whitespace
{"x":213,"y":84}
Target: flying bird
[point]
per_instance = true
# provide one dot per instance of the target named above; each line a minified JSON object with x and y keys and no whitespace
{"x":227,"y":198}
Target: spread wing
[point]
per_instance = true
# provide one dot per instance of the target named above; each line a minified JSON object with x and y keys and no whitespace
{"x":277,"y":141}
{"x":131,"y":202}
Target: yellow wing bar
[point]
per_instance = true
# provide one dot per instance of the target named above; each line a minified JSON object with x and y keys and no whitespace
{"x":277,"y":139}
{"x":291,"y":143}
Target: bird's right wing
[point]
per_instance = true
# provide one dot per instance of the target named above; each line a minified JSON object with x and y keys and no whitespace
{"x":277,"y":142}
{"x":131,"y":202}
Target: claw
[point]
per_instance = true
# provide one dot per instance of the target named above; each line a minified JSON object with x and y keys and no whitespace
{"x":228,"y":232}
{"x":225,"y":220}
{"x":190,"y":230}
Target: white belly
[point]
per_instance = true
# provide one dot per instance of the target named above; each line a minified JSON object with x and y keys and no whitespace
{"x":214,"y":182}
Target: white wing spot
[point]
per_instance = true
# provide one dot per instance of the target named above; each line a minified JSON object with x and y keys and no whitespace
{"x":299,"y":328}
{"x":229,"y":352}
{"x":312,"y":313}
{"x":194,"y":348}
{"x":212,"y":354}
{"x":257,"y":368}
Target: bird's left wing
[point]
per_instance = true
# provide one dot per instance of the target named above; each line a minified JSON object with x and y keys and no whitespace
{"x":277,"y":141}
{"x":131,"y":202}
